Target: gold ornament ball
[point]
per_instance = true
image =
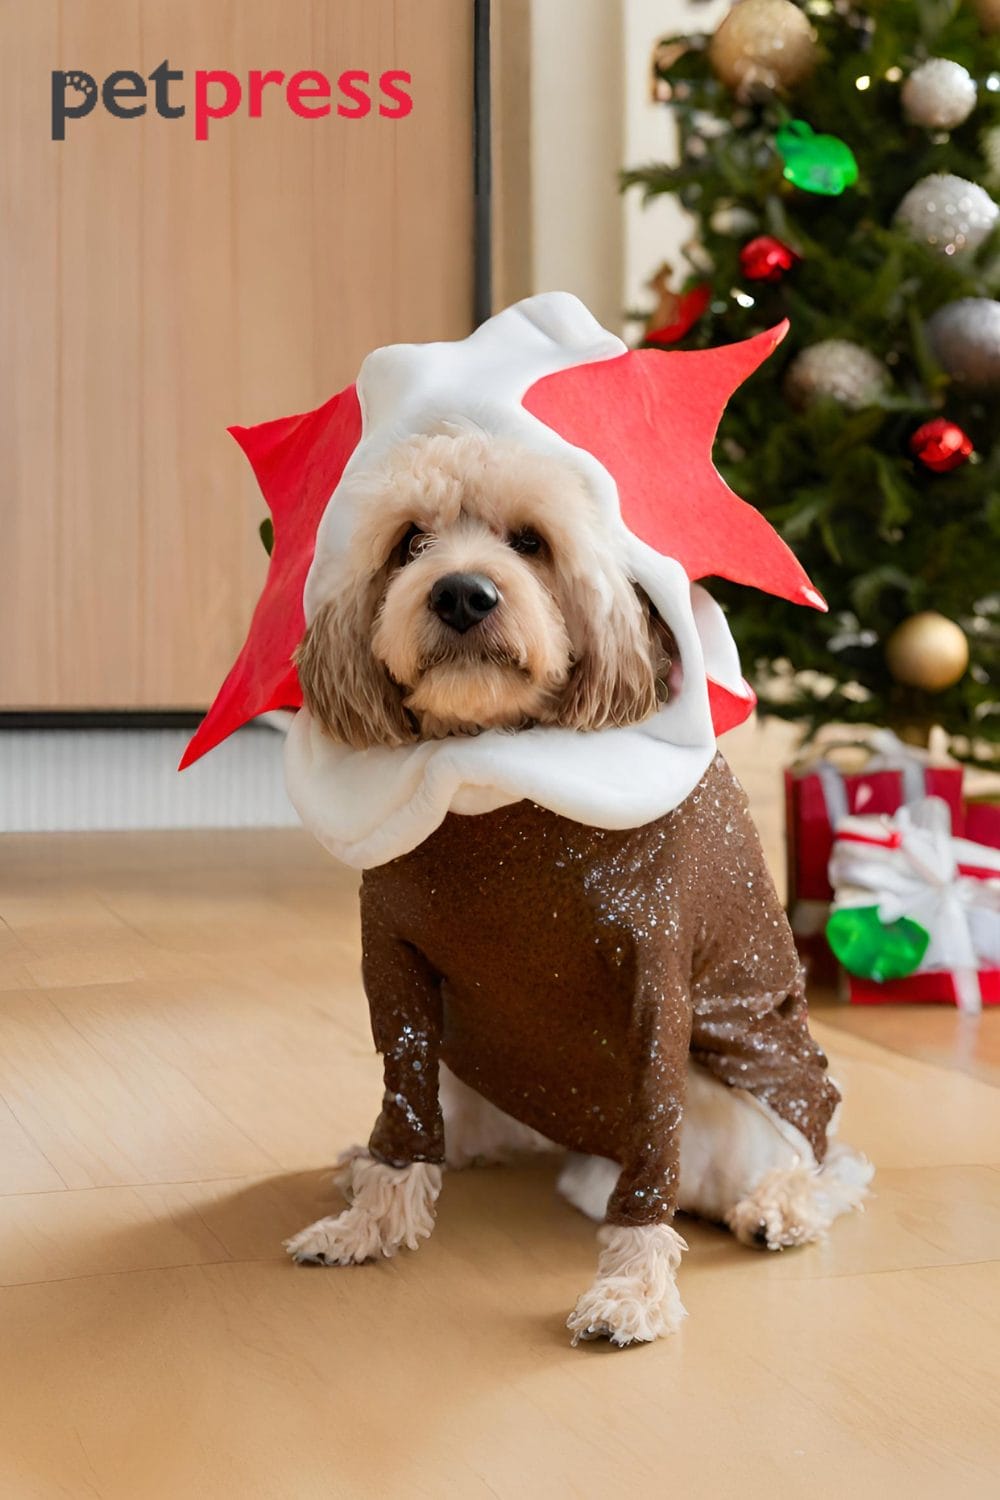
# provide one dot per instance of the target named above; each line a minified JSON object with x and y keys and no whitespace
{"x":927,"y":651}
{"x":761,"y":46}
{"x":988,"y":12}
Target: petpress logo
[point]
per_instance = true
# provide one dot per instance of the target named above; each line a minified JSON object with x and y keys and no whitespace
{"x":219,"y":94}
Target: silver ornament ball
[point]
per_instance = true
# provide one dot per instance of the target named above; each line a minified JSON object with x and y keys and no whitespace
{"x":948,"y":214}
{"x":939,"y":95}
{"x":733,"y":219}
{"x":965,"y":339}
{"x":838,"y":369}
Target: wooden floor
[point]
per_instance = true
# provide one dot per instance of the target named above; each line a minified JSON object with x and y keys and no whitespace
{"x":184,"y":1048}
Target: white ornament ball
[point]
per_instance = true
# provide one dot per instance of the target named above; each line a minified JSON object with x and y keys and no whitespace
{"x":940,"y":94}
{"x":948,"y":214}
{"x":839,"y":369}
{"x":965,"y":339}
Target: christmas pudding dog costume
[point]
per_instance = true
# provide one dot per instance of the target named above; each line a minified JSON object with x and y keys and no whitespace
{"x":483,"y":562}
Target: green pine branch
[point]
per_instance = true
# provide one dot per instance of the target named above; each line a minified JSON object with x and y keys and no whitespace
{"x":881,"y":536}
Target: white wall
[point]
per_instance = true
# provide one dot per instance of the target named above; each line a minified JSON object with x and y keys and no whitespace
{"x":577,"y":141}
{"x":591,"y":115}
{"x":654,"y":233}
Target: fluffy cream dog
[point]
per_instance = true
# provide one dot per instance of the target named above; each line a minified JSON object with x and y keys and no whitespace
{"x":482,"y":590}
{"x":485,"y":596}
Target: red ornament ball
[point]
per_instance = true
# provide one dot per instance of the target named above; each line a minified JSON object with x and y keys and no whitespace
{"x":941,"y":445}
{"x":766,"y":259}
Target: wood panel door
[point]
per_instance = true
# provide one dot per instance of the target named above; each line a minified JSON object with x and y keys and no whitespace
{"x":155,"y":288}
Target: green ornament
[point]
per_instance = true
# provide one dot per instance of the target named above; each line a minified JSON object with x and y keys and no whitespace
{"x":815,"y":163}
{"x":873,"y":949}
{"x":266,"y":530}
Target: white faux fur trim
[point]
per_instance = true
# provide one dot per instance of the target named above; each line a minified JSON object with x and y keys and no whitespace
{"x":476,"y":1132}
{"x":368,"y":807}
{"x":744,"y":1166}
{"x":634,"y":1296}
{"x":729,"y":1142}
{"x":390,"y":1207}
{"x":730,"y":1139}
{"x":587,"y":1182}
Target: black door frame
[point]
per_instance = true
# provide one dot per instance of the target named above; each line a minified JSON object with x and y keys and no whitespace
{"x":482,"y":158}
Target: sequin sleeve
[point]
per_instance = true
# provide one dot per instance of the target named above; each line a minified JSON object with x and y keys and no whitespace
{"x":404,"y":998}
{"x":646,"y":1191}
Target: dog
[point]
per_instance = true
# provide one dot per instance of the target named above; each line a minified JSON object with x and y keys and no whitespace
{"x":631,"y":996}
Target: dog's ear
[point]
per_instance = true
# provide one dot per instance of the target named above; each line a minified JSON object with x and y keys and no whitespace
{"x":343,"y":684}
{"x":619,"y":676}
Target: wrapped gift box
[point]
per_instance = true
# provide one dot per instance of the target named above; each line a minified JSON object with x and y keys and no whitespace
{"x":917,"y":910}
{"x":818,"y":793}
{"x":982,"y":823}
{"x":939,"y":988}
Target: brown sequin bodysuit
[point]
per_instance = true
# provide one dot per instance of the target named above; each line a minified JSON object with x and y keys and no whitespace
{"x":565,"y":972}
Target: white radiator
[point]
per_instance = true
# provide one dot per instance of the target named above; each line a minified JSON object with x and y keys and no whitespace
{"x":75,"y":779}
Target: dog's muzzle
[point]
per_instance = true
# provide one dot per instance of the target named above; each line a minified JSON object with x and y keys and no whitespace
{"x":461,"y":600}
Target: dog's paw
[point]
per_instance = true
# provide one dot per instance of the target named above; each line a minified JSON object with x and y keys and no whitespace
{"x":634,"y":1297}
{"x":390,"y":1207}
{"x":779,"y":1214}
{"x":624,"y":1316}
{"x":797,"y":1205}
{"x":773,"y":1231}
{"x":340,"y":1240}
{"x":625,"y":1313}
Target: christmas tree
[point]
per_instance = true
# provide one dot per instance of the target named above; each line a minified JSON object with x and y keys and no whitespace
{"x":838,"y":159}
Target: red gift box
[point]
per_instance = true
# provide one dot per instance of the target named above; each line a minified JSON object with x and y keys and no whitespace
{"x":975,"y":860}
{"x":817,"y":795}
{"x":919,"y":989}
{"x":982,"y":823}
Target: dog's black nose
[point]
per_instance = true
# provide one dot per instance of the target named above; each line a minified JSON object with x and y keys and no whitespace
{"x":461,"y":600}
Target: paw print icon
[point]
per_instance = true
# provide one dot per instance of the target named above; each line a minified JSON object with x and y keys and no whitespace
{"x":74,"y":94}
{"x":83,"y":84}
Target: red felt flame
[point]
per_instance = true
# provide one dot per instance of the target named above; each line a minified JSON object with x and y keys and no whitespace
{"x":298,"y":462}
{"x":649,"y":417}
{"x":728,"y":709}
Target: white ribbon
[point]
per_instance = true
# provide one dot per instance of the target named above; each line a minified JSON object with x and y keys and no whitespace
{"x":893,"y":754}
{"x":910,"y":864}
{"x":887,"y":752}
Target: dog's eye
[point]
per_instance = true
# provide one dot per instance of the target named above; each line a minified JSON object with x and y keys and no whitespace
{"x":410,"y":545}
{"x":527,"y":542}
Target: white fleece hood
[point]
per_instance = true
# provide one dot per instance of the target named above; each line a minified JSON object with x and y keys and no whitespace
{"x":370,"y":806}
